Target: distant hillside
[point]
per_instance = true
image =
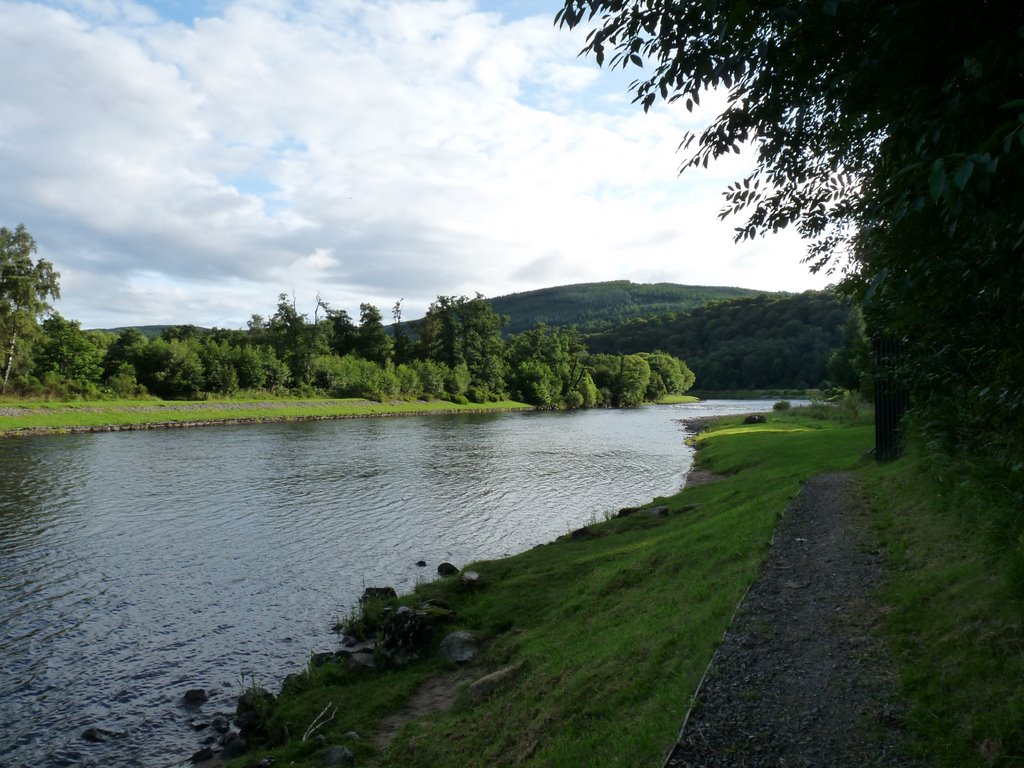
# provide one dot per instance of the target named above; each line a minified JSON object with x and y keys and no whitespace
{"x":763,"y":342}
{"x":149,"y":331}
{"x":600,"y":306}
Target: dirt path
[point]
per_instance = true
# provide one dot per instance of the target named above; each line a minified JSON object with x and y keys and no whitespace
{"x":801,"y":679}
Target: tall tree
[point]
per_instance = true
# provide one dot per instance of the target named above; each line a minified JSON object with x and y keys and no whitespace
{"x":461,"y":331}
{"x":402,"y":343}
{"x":25,"y":288}
{"x":68,"y":353}
{"x":343,"y":332}
{"x":372,"y":341}
{"x":292,"y":338}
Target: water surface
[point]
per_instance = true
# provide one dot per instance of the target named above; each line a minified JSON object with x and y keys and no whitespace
{"x":136,"y":565}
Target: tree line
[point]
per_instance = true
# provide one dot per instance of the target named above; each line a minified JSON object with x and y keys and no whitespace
{"x":762,"y":342}
{"x":456,"y":352}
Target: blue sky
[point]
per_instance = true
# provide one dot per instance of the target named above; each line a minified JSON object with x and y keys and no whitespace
{"x":189,"y":161}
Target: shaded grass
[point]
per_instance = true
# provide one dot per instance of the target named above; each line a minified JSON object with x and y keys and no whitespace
{"x":954,"y":619}
{"x":70,"y":416}
{"x":613,"y":630}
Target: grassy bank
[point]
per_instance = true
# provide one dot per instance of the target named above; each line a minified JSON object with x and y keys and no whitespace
{"x":756,"y":394}
{"x":609,"y":631}
{"x":21,"y":417}
{"x":954,"y":615}
{"x":677,"y":399}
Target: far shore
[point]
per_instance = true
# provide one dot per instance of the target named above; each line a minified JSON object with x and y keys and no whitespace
{"x":39,"y":418}
{"x":29,"y":418}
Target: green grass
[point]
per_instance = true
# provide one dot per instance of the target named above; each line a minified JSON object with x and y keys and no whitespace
{"x":677,"y":399}
{"x":755,"y":394}
{"x":613,"y":631}
{"x":954,"y":619}
{"x":127,"y":414}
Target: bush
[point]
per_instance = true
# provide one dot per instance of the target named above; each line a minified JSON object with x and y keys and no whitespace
{"x":782,"y":405}
{"x":476,"y":395}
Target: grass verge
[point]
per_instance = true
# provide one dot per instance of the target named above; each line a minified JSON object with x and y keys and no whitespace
{"x":36,"y":417}
{"x":953,"y":616}
{"x":610,"y":630}
{"x":677,"y":399}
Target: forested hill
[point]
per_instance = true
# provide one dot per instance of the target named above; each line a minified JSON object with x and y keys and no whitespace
{"x":762,"y":342}
{"x":596,"y":307}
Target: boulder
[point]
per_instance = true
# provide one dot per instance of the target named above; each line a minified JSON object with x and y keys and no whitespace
{"x":255,"y":700}
{"x":421,"y":563}
{"x":486,"y":687}
{"x":360,"y":661}
{"x":98,"y":735}
{"x":337,"y":755}
{"x":469,"y":578}
{"x":202,"y":756}
{"x":378,"y":593}
{"x":582,"y":533}
{"x":404,"y":633}
{"x":755,"y":418}
{"x":447,"y":569}
{"x":357,"y":646}
{"x":293,"y":682}
{"x":253,"y":711}
{"x":460,"y":647}
{"x":195,"y":696}
{"x":232,"y":745}
{"x":660,"y":511}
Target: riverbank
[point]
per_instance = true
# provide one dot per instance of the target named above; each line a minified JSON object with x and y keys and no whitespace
{"x":37,"y":418}
{"x":601,"y":635}
{"x":21,"y":419}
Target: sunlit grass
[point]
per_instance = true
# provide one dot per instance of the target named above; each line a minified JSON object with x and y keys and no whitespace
{"x":678,"y":399}
{"x":58,"y":417}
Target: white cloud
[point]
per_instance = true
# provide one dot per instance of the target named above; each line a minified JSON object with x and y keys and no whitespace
{"x":366,"y":150}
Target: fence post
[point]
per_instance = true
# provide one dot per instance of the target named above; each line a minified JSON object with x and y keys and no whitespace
{"x":891,"y":399}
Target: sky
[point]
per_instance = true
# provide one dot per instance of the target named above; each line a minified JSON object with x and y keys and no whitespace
{"x":189,"y":161}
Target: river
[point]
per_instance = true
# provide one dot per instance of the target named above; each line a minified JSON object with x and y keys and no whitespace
{"x":134,"y":566}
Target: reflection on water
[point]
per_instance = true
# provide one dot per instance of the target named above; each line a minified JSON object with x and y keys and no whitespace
{"x":134,"y":566}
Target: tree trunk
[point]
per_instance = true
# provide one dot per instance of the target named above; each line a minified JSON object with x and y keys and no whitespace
{"x":10,"y":361}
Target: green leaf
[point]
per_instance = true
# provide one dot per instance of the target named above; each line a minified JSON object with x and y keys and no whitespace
{"x":963,"y":173}
{"x":937,"y":184}
{"x":876,"y":282}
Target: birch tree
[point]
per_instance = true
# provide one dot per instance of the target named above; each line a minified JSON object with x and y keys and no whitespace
{"x":25,"y":288}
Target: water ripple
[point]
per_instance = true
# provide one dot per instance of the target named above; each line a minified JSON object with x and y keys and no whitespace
{"x":134,"y":566}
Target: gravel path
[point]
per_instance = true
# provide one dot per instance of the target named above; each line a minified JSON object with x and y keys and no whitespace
{"x":801,"y":679}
